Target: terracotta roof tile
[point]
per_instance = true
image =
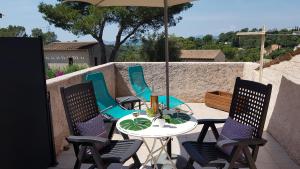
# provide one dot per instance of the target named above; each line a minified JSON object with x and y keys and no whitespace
{"x":68,"y":46}
{"x":200,"y":54}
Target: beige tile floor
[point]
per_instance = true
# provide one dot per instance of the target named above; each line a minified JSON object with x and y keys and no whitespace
{"x":271,"y":156}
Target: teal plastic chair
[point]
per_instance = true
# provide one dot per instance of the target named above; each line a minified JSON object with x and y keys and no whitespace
{"x":105,"y":102}
{"x":142,"y":90}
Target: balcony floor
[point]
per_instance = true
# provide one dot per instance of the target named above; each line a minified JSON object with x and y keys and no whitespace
{"x":271,"y":156}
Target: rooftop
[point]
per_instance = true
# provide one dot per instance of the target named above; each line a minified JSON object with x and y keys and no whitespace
{"x":62,"y":46}
{"x":189,"y":81}
{"x":200,"y":54}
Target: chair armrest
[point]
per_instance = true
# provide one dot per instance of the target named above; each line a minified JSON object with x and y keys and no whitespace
{"x":110,"y":120}
{"x":87,"y":140}
{"x":211,"y":121}
{"x":243,"y":142}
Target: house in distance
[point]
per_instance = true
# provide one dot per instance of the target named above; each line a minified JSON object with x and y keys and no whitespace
{"x":202,"y":56}
{"x":60,"y":54}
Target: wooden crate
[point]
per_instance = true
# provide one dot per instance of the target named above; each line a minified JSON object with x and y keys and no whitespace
{"x":218,"y":100}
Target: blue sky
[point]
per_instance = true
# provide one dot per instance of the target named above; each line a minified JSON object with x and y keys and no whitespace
{"x":205,"y":17}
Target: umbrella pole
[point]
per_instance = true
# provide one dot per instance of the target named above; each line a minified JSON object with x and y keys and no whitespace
{"x":166,"y":51}
{"x":166,"y":6}
{"x":262,"y":49}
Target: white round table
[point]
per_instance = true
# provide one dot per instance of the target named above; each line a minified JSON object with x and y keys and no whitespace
{"x":161,"y":134}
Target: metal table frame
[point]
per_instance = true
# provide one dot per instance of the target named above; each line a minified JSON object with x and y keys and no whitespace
{"x":151,"y":156}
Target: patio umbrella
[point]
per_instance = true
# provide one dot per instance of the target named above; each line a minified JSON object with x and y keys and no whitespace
{"x":145,"y":3}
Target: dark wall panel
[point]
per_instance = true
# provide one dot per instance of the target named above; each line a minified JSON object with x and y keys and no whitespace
{"x":24,"y":119}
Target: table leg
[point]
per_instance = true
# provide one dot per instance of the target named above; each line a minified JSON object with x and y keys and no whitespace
{"x":164,"y":148}
{"x":151,"y":152}
{"x":148,"y":148}
{"x":161,"y":149}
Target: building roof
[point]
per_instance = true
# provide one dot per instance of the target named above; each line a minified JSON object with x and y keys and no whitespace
{"x":59,"y":46}
{"x":200,"y":54}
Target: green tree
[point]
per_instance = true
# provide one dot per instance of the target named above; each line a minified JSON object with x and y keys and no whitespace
{"x":229,"y":38}
{"x":130,"y":53}
{"x":247,"y":55}
{"x":85,"y":19}
{"x":47,"y":37}
{"x":207,"y":39}
{"x":153,"y":49}
{"x":188,"y":43}
{"x":13,"y":31}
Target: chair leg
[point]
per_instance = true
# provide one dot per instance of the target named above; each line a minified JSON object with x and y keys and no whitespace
{"x":203,"y":133}
{"x":77,"y":164}
{"x":125,"y":136}
{"x":235,"y":156}
{"x":92,"y":166}
{"x":97,"y":159}
{"x":80,"y":156}
{"x":215,"y":131}
{"x":249,"y":158}
{"x":111,"y":131}
{"x":189,"y":164}
{"x":137,"y":162}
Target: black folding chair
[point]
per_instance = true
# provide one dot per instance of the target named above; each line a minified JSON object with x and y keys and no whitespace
{"x":249,"y":106}
{"x":80,"y":106}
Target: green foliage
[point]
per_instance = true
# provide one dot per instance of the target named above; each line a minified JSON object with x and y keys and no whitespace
{"x":84,"y":19}
{"x":247,"y":55}
{"x":188,"y":43}
{"x":13,"y":31}
{"x":208,"y":39}
{"x":130,"y":53}
{"x":55,"y":72}
{"x":20,"y":31}
{"x":176,"y":118}
{"x":153,"y":48}
{"x":279,"y":52}
{"x":135,"y":124}
{"x":47,"y":37}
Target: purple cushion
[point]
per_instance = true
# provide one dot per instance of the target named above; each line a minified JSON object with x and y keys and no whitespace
{"x":92,"y":127}
{"x":233,"y":130}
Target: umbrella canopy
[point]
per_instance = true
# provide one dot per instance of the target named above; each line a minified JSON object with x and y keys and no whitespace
{"x":145,"y":3}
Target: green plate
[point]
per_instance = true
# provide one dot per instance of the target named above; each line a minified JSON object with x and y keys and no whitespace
{"x":177,"y":118}
{"x":136,"y":124}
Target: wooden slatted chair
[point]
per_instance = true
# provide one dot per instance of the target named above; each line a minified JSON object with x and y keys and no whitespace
{"x":249,"y":106}
{"x":80,"y":106}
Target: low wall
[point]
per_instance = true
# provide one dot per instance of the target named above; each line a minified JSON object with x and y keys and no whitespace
{"x":284,"y":107}
{"x":60,"y":126}
{"x":188,"y":80}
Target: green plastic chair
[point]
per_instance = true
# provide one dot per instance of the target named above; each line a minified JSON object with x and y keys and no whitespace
{"x":142,"y":90}
{"x":105,"y":102}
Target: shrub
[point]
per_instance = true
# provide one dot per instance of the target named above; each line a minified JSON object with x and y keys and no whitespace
{"x":55,"y":72}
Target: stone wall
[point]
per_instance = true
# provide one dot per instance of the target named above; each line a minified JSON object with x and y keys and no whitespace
{"x":61,"y":58}
{"x":60,"y":126}
{"x":188,"y":80}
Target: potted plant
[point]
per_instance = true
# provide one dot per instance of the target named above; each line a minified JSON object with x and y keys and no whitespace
{"x":160,"y":118}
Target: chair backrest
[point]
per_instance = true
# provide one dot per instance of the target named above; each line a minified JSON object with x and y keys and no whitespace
{"x":250,"y":104}
{"x":137,"y":80}
{"x":80,"y":104}
{"x":104,"y":99}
